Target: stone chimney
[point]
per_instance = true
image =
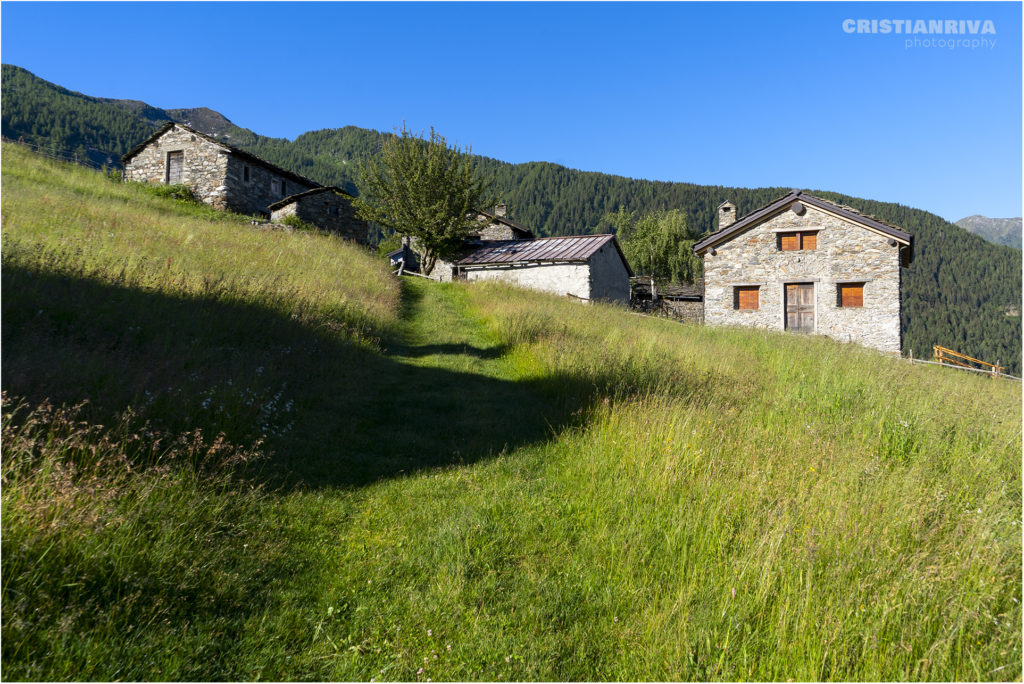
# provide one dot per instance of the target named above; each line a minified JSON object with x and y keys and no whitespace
{"x":726,"y":214}
{"x":500,"y":209}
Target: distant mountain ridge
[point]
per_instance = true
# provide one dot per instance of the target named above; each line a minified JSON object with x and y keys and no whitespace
{"x":1001,"y":231}
{"x":956,"y":293}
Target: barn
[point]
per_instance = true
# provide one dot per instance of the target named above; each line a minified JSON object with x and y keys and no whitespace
{"x":583,"y":267}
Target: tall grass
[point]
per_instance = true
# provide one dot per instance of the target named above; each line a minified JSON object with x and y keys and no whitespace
{"x":472,"y":482}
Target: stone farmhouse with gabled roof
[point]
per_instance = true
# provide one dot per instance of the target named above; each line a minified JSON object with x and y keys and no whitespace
{"x":233,"y":179}
{"x":804,"y":264}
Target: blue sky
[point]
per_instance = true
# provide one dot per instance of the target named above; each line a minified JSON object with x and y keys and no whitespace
{"x":744,"y":94}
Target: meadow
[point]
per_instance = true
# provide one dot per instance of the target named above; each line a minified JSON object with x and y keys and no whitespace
{"x":239,"y":453}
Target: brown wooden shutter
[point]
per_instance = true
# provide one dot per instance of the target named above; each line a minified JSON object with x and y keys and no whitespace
{"x":791,"y":242}
{"x":175,"y":162}
{"x":851,"y":294}
{"x":746,"y":297}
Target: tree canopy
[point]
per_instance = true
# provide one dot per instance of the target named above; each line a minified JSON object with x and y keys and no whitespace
{"x":658,"y":244}
{"x":424,"y":188}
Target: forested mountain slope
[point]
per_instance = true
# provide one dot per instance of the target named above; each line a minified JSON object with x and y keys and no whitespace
{"x":960,"y":292}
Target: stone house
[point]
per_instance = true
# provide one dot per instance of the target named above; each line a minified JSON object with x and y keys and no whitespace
{"x":805,"y":264}
{"x":329,"y":208}
{"x":233,"y":179}
{"x":584,"y":267}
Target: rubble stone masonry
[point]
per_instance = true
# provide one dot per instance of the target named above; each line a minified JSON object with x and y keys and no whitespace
{"x":845,"y":253}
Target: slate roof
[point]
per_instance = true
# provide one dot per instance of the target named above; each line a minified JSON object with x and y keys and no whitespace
{"x":241,"y":154}
{"x":789,"y":198}
{"x":570,"y":249}
{"x":297,"y":196}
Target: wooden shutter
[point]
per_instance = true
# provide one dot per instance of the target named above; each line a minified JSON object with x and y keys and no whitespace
{"x":851,"y":294}
{"x":791,"y":242}
{"x":175,"y":161}
{"x":800,"y":307}
{"x":746,"y":297}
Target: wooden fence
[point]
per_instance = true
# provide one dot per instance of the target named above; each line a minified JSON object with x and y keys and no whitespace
{"x":953,"y":359}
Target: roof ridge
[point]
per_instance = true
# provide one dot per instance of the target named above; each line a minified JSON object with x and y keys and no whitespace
{"x":256,"y":158}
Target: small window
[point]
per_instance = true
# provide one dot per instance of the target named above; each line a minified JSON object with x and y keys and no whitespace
{"x":745,"y":297}
{"x":275,"y":186}
{"x":792,"y":242}
{"x":245,"y":173}
{"x":850,"y":295}
{"x":283,"y":191}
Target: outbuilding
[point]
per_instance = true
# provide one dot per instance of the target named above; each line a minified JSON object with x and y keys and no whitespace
{"x":329,"y":208}
{"x":583,"y":267}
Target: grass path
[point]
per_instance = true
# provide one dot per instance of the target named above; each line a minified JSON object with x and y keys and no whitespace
{"x":464,"y":482}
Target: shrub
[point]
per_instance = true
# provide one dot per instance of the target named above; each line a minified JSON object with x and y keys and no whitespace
{"x":298,"y":224}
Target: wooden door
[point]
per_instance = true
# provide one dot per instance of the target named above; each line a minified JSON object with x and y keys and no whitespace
{"x":174,"y":164}
{"x":800,"y":307}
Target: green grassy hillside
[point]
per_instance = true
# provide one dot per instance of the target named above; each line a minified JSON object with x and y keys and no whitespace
{"x":232,"y":453}
{"x":961,"y":292}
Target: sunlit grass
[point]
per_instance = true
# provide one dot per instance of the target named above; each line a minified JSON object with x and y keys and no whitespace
{"x":485,"y":483}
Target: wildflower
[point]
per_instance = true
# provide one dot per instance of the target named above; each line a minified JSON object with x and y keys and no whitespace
{"x":508,"y":659}
{"x":419,"y":671}
{"x":734,"y":592}
{"x":448,"y":647}
{"x":615,"y":619}
{"x":430,"y":632}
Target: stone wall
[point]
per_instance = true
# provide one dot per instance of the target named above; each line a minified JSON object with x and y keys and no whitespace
{"x":680,"y":310}
{"x":556,"y":278}
{"x":609,"y":280}
{"x":496,"y":231}
{"x":256,"y":194}
{"x":845,"y":252}
{"x":204,"y":165}
{"x":327,"y":210}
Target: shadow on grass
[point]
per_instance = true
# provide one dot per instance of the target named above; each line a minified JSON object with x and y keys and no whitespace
{"x":334,"y":413}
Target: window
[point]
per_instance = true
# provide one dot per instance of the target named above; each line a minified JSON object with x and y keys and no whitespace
{"x":745,"y":297}
{"x":283,"y":192}
{"x":332,"y":211}
{"x":850,"y":295}
{"x":803,"y":240}
{"x":245,"y":173}
{"x":275,"y":186}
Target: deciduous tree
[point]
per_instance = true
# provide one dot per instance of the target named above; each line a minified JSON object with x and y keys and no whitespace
{"x":424,"y":188}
